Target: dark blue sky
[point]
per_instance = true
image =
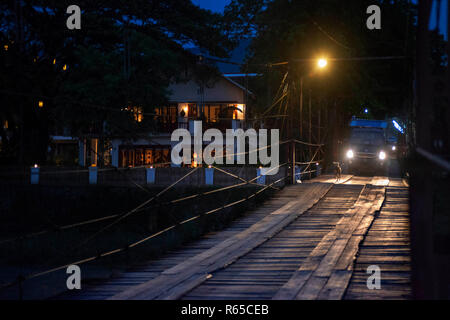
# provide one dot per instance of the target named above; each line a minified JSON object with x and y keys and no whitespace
{"x":213,"y":5}
{"x":443,"y":20}
{"x":218,"y":5}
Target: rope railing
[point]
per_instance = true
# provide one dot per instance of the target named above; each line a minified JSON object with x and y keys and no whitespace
{"x":312,"y":159}
{"x":307,"y":143}
{"x":21,"y":279}
{"x":145,"y":207}
{"x":129,"y":213}
{"x":56,"y":172}
{"x":91,"y":221}
{"x":239,"y":178}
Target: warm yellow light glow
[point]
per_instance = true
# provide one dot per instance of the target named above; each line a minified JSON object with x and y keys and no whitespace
{"x":322,"y":63}
{"x":6,"y":47}
{"x":194,"y":163}
{"x":54,"y":61}
{"x":41,"y":104}
{"x":240,"y":112}
{"x":65,"y":67}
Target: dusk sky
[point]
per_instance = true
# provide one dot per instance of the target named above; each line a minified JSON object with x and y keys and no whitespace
{"x":213,"y":5}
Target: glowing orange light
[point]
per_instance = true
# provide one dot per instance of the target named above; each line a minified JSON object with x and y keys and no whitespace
{"x":322,"y":63}
{"x":41,"y":104}
{"x":65,"y":67}
{"x":6,"y":47}
{"x":54,"y":61}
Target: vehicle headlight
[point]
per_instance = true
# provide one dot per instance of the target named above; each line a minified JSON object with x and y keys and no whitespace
{"x":350,"y":154}
{"x":382,"y":155}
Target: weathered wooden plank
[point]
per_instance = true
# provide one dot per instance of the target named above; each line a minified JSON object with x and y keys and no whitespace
{"x":339,"y":251}
{"x":228,"y":251}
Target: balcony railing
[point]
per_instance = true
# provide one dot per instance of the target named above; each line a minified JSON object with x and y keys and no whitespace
{"x":222,"y":125}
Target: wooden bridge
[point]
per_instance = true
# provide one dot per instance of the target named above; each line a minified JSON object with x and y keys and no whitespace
{"x":314,"y":240}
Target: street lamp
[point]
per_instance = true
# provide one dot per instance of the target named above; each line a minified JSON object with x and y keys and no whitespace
{"x":322,"y":63}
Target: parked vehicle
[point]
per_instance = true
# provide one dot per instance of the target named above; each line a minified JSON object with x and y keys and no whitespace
{"x":366,"y":149}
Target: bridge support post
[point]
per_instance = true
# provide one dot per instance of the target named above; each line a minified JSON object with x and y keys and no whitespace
{"x":298,"y":174}
{"x":261,"y":174}
{"x":318,"y":170}
{"x":34,"y":177}
{"x":209,"y":176}
{"x":93,"y":170}
{"x":150,"y":173}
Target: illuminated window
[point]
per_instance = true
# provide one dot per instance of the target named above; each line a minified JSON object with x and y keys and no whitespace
{"x":149,"y":156}
{"x":138,"y":113}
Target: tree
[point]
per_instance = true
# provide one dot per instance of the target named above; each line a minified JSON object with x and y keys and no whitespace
{"x":283,"y":30}
{"x":125,"y":54}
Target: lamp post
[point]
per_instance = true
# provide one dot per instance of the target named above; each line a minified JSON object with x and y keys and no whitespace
{"x":321,"y":63}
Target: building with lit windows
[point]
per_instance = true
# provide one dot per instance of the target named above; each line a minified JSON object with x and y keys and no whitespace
{"x":222,"y":106}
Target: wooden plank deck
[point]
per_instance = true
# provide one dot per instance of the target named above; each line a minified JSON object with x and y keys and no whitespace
{"x":332,"y":259}
{"x":311,"y":241}
{"x":175,"y":282}
{"x":386,"y":245}
{"x":146,"y":271}
{"x":261,"y":273}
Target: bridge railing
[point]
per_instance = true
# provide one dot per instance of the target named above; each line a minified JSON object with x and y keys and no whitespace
{"x":151,"y":202}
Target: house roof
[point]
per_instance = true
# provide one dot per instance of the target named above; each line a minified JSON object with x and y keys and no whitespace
{"x":238,"y":85}
{"x":237,"y":57}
